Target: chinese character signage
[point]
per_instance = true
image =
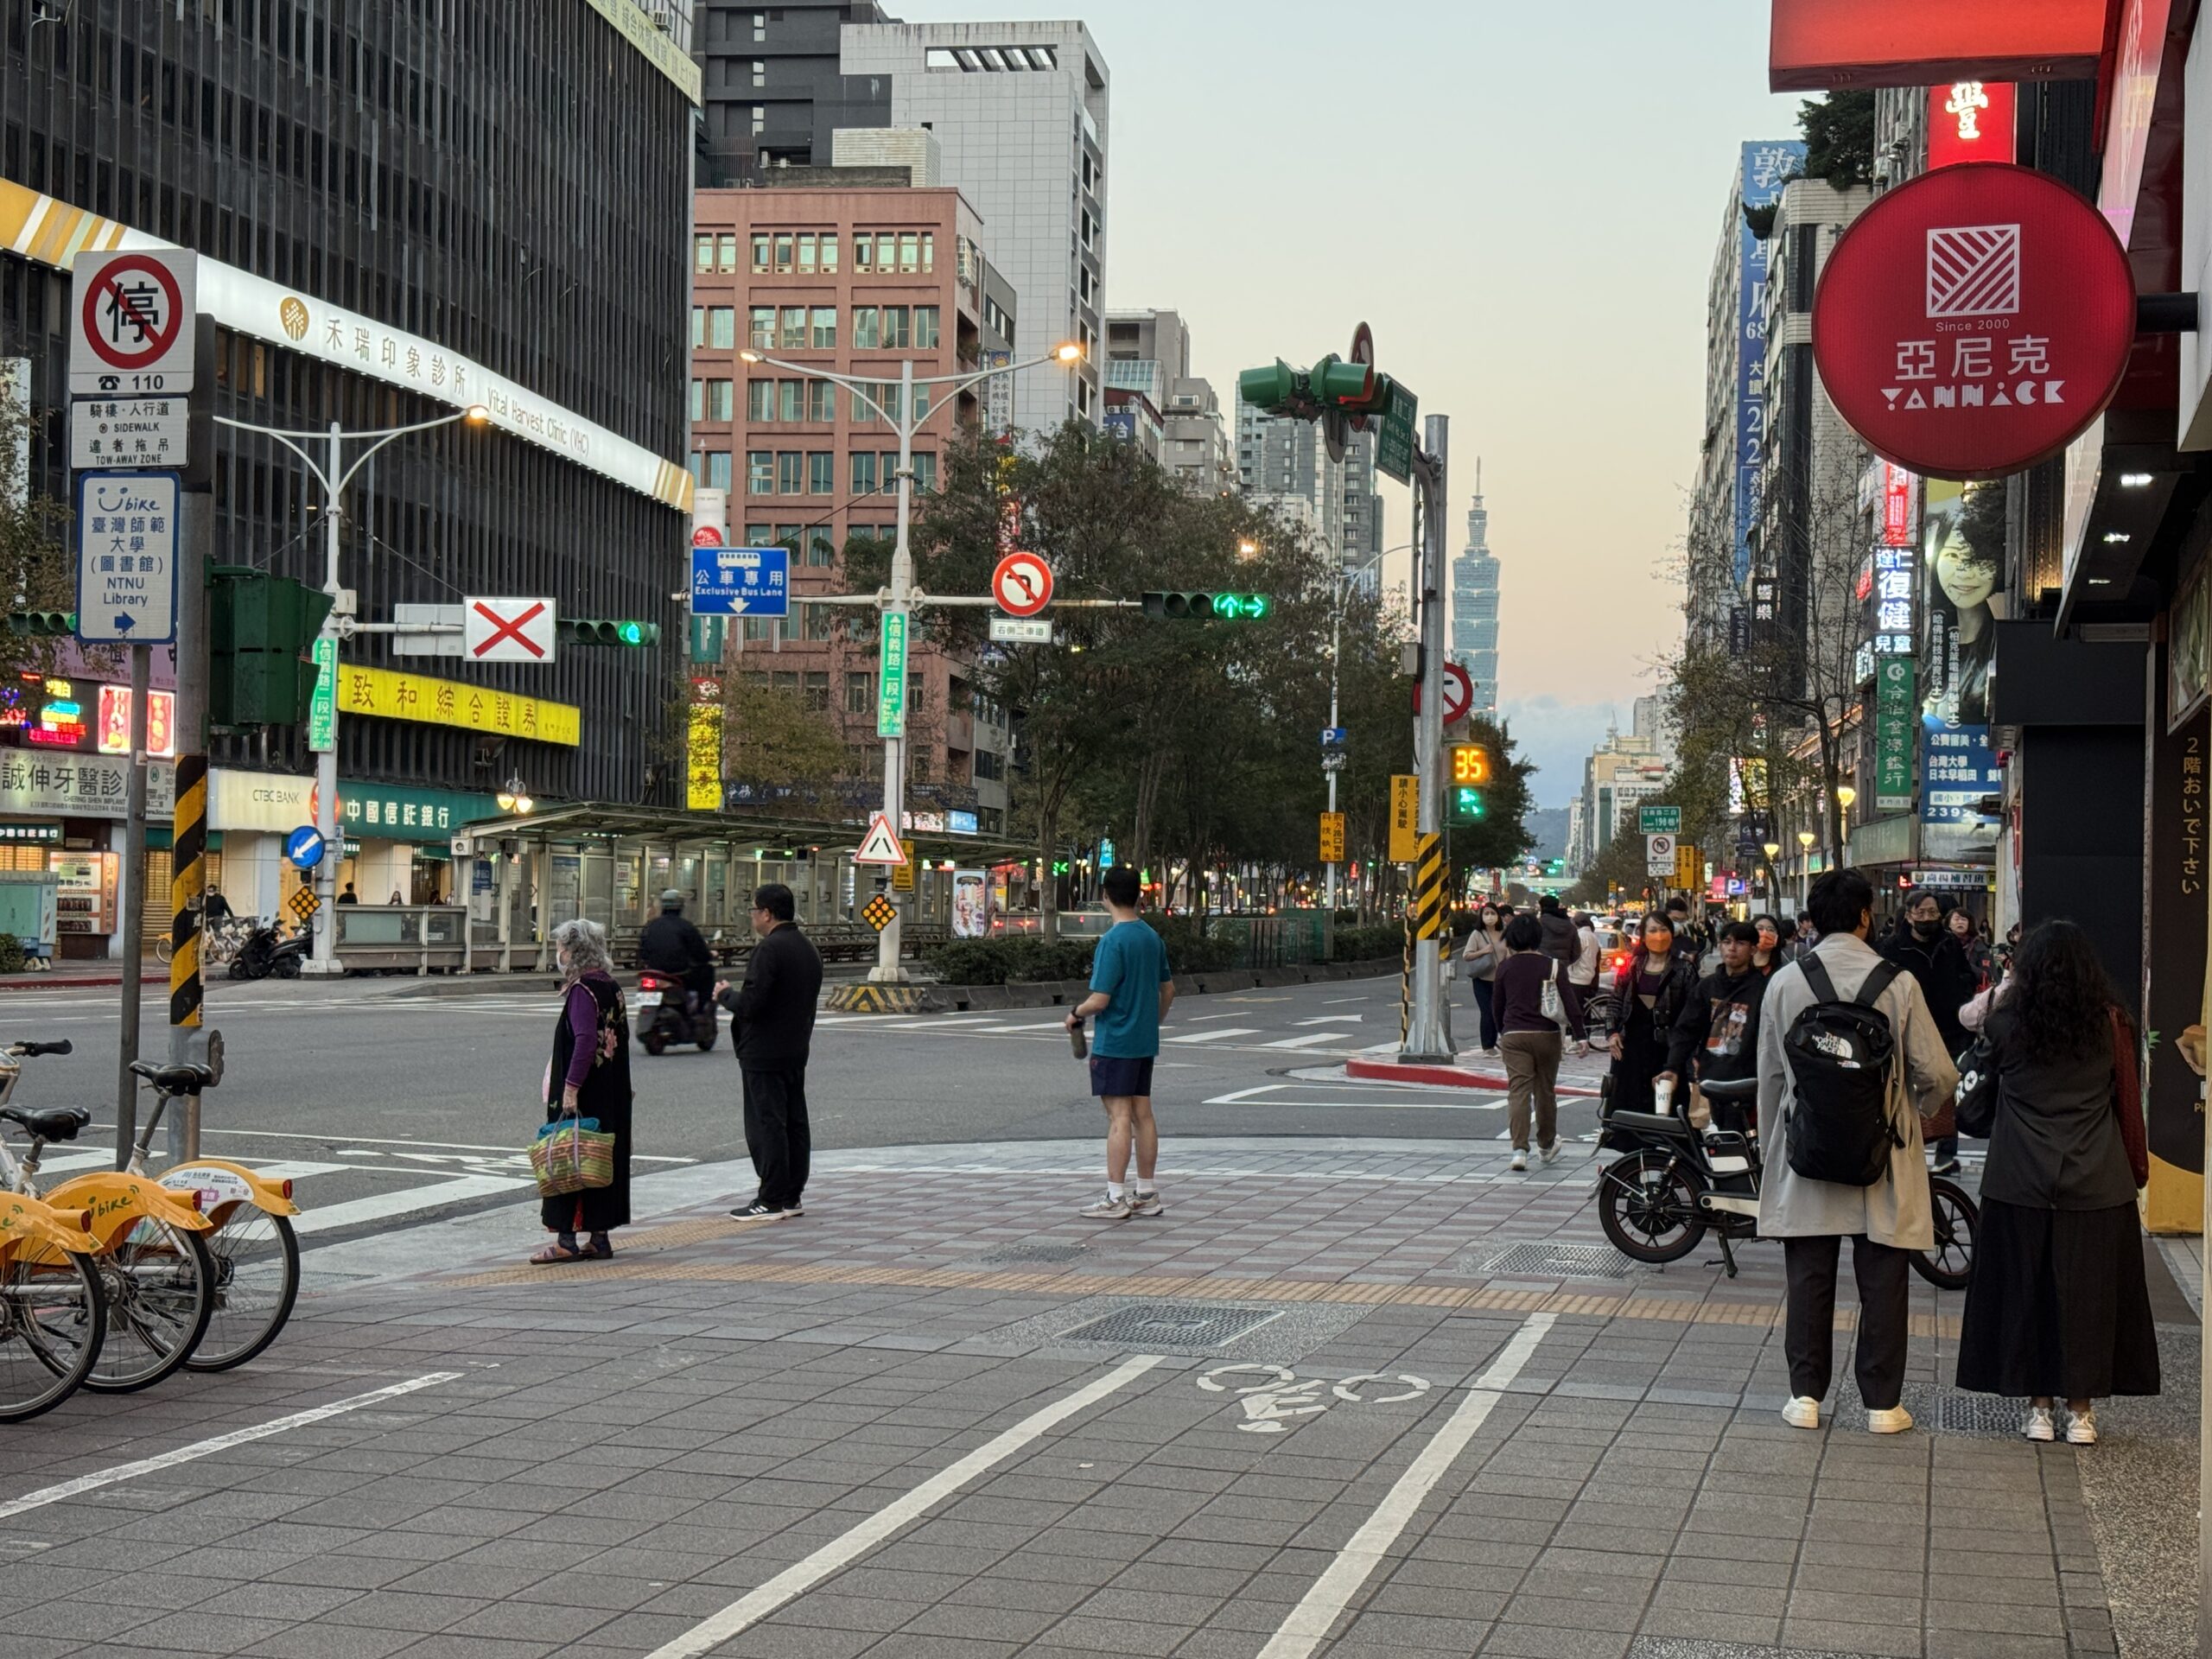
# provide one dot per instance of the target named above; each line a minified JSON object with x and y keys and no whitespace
{"x":386,"y":812}
{"x":1895,"y":719}
{"x":1959,"y":773}
{"x":891,"y":687}
{"x":77,"y":786}
{"x":1974,"y":321}
{"x":385,"y":694}
{"x":1970,"y":121}
{"x":1897,"y":506}
{"x":1766,"y":167}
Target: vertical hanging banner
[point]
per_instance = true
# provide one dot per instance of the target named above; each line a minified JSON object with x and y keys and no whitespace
{"x":891,"y":688}
{"x":1765,"y":167}
{"x":1897,"y":729}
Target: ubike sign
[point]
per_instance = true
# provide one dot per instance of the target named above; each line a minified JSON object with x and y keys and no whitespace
{"x":1974,"y":321}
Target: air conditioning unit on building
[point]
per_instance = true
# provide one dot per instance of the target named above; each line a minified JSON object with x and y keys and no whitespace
{"x":663,"y":14}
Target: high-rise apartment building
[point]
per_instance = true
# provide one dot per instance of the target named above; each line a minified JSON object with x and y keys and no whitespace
{"x":1363,"y":534}
{"x":1474,"y":606}
{"x":1280,"y":462}
{"x":774,"y":93}
{"x":851,"y":280}
{"x":1149,"y":352}
{"x":1020,"y":110}
{"x":1620,"y":773}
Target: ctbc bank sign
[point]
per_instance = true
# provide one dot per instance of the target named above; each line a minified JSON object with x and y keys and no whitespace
{"x":1974,"y":321}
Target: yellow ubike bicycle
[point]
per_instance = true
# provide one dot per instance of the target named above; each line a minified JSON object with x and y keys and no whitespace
{"x":156,"y":1274}
{"x":53,"y":1311}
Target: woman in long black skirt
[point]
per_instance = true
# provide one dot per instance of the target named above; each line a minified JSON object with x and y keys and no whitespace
{"x":2058,"y":1308}
{"x":590,"y":1076}
{"x":1654,"y":984}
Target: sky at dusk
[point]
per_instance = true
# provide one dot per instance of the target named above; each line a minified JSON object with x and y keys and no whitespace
{"x":1523,"y":201}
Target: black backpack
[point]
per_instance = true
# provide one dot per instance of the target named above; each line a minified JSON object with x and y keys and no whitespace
{"x":1839,"y":1053}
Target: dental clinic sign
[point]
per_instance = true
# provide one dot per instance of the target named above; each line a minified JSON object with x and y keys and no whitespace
{"x":1974,"y":321}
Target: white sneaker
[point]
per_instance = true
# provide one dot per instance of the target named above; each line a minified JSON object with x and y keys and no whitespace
{"x":1895,"y":1421}
{"x":2081,"y":1428}
{"x":1145,"y":1203}
{"x":1550,"y":1154}
{"x":1803,"y":1412}
{"x":2037,"y":1425}
{"x":1109,"y":1208}
{"x":1519,"y":1158}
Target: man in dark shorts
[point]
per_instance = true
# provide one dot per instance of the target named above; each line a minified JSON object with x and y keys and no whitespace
{"x":1131,"y":990}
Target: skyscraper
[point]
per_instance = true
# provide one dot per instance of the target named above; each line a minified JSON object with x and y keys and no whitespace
{"x":774,"y":92}
{"x":1284,"y":464}
{"x":1474,"y":605}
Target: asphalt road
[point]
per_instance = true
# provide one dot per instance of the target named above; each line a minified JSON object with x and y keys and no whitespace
{"x":388,"y":1109}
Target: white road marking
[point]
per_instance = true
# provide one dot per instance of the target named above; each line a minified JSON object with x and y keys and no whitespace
{"x":69,"y":1488}
{"x":1059,"y":1026}
{"x":382,"y":1204}
{"x":1308,"y":1625}
{"x":1374,"y":1105}
{"x":1333,"y":1018}
{"x":1219,"y":1033}
{"x":894,"y":1517}
{"x":1195,"y":1018}
{"x":281,"y":1171}
{"x":67,"y":1160}
{"x":427,"y":1145}
{"x":1312,"y":1039}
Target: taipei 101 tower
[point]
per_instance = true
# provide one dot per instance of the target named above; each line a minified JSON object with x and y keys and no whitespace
{"x":1474,"y":606}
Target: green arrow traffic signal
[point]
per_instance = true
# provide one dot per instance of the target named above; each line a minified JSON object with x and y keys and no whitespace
{"x":602,"y":631}
{"x":1207,"y":607}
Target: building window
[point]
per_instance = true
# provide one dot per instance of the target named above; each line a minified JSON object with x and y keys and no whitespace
{"x":821,"y":549}
{"x":725,"y":250}
{"x":816,"y":620}
{"x":760,"y":252}
{"x":897,"y":335}
{"x":760,"y":400}
{"x":722,"y":399}
{"x":783,"y":243}
{"x":759,"y":471}
{"x":820,"y":473}
{"x":759,"y":119}
{"x":760,"y":29}
{"x":791,"y":400}
{"x":703,"y":253}
{"x":820,"y":401}
{"x":760,"y":328}
{"x":806,"y":255}
{"x":814,"y":689}
{"x":859,"y":696}
{"x":925,"y":474}
{"x":826,"y":327}
{"x":867,"y":333}
{"x":910,"y":253}
{"x":758,"y":535}
{"x":863,"y":474}
{"x":790,"y":472}
{"x":698,"y":401}
{"x":787,"y":537}
{"x":890,"y":470}
{"x":925,"y":327}
{"x":760,"y":629}
{"x":829,"y":253}
{"x":867,"y":407}
{"x":792,"y":336}
{"x":711,"y":468}
{"x":761,"y":83}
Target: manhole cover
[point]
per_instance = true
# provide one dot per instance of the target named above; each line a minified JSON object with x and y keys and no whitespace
{"x":1172,"y":1325}
{"x":1551,"y":1262}
{"x":1048,"y":1254}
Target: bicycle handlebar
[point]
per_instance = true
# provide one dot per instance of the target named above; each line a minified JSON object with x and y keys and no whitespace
{"x":29,"y":1050}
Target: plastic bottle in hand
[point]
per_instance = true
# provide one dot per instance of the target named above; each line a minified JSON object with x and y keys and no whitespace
{"x":1075,"y":1040}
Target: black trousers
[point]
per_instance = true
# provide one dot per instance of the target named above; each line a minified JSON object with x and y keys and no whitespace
{"x":776,"y":1132}
{"x":1808,"y":1338}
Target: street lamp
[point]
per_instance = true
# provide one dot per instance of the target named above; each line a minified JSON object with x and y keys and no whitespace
{"x":514,"y":796}
{"x":335,"y":475}
{"x":1343,"y":582}
{"x":1845,"y":795}
{"x":897,"y":600}
{"x":1248,"y":549}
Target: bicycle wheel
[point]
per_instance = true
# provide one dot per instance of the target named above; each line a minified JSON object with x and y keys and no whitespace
{"x":1949,"y":1266}
{"x":256,"y":1281}
{"x":53,"y":1320}
{"x":160,"y":1284}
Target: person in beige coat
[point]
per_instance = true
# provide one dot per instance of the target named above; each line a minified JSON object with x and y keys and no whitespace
{"x":1885,"y":1221}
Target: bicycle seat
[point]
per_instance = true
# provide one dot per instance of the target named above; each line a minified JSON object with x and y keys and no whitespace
{"x":49,"y":1122}
{"x":174,"y":1079}
{"x":1732,"y":1089}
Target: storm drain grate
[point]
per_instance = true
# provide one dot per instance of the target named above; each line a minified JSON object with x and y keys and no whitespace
{"x":1172,"y":1325}
{"x":1527,"y":1260}
{"x":1940,"y":1410}
{"x":1045,"y":1254}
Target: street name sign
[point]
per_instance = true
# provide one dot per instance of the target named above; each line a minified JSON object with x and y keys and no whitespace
{"x":1023,"y":630}
{"x":891,"y":684}
{"x":1022,"y":584}
{"x":508,"y":629}
{"x":126,"y":558}
{"x":1394,"y":444}
{"x":131,"y":323}
{"x":322,"y":702}
{"x":880,"y":844}
{"x":1659,"y":820}
{"x":740,"y":581}
{"x":1659,"y":855}
{"x":115,"y":432}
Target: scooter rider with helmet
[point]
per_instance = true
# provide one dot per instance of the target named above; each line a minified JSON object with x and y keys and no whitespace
{"x":670,"y":945}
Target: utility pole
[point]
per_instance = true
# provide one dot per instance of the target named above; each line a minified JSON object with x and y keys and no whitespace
{"x":1428,"y":1034}
{"x":134,"y":910}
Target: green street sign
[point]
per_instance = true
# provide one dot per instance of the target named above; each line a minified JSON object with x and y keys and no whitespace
{"x":322,"y":703}
{"x":1897,"y":729}
{"x":1659,"y":820}
{"x":1394,"y":443}
{"x":891,"y":687}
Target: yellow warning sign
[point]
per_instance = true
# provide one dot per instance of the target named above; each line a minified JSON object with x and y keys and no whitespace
{"x":1333,"y":837}
{"x":1405,"y":816}
{"x":902,"y":876}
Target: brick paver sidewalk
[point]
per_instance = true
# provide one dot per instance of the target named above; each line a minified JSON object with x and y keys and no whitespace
{"x":1345,"y":1400}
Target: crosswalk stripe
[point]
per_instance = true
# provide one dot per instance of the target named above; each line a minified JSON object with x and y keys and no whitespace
{"x":382,"y":1205}
{"x":1219,"y":1033}
{"x":1311,"y":1039}
{"x":1333,"y":1018}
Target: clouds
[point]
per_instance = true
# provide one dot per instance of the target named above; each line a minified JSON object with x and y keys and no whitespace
{"x":1559,"y":736}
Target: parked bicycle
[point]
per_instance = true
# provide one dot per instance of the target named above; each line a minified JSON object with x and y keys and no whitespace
{"x":53,"y":1315}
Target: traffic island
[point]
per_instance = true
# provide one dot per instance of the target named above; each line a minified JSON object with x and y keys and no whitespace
{"x":1455,"y":1076}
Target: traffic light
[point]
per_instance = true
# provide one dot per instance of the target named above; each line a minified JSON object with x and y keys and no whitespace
{"x":1470,"y":774}
{"x":1335,"y":382}
{"x":601,"y":631}
{"x":260,"y":629}
{"x":42,"y":623}
{"x":1277,"y":386}
{"x":1207,"y":608}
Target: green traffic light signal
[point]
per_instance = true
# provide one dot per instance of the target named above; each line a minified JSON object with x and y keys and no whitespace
{"x":1207,"y":608}
{"x":1270,"y":388}
{"x":1466,"y":804}
{"x":595,"y":631}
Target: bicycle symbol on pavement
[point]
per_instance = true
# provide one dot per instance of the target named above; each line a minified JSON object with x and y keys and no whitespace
{"x":1281,"y":1393}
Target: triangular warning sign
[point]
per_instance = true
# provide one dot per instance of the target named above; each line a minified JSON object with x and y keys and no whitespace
{"x":880,"y":845}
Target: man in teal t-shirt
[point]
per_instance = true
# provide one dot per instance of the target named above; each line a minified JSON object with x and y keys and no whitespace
{"x":1131,"y":990}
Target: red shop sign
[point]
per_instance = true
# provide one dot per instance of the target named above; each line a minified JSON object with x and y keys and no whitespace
{"x":1974,"y":321}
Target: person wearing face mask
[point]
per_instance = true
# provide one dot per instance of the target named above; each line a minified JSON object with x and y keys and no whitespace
{"x":1960,"y":921}
{"x":1767,"y":951}
{"x":1485,"y":951}
{"x":1928,"y":950}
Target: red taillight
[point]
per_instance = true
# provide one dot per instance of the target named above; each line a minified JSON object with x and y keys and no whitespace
{"x":288,"y":1186}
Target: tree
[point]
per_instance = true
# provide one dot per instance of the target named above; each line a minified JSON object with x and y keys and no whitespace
{"x":1503,"y":836}
{"x":1840,"y":138}
{"x":775,"y":751}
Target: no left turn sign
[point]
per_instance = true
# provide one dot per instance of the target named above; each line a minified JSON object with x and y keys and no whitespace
{"x":132,"y":322}
{"x":1022,"y":584}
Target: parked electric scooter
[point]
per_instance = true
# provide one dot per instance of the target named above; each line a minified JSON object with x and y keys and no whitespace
{"x":267,"y":951}
{"x":668,"y":1012}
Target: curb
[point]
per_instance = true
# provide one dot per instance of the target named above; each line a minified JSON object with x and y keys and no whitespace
{"x":1457,"y":1076}
{"x":74,"y":981}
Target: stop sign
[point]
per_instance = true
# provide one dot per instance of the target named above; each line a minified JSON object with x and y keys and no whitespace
{"x":1974,"y":321}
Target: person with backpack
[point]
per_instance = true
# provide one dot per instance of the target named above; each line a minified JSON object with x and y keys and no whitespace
{"x":2058,"y":1308}
{"x":1533,"y":994}
{"x":1850,"y":1061}
{"x":1560,"y":943}
{"x":1655,"y":982}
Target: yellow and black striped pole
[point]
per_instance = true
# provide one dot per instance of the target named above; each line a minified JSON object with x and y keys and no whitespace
{"x":187,"y":885}
{"x":1428,"y":887}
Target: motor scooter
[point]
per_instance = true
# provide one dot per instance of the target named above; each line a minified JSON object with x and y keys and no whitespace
{"x":268,"y":950}
{"x":669,"y":1011}
{"x":1677,"y":1181}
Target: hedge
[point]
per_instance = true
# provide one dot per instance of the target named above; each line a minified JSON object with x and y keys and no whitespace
{"x":1368,"y":944}
{"x":1025,"y":959}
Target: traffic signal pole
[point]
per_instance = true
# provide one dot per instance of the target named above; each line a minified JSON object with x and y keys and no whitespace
{"x":1428,"y":1030}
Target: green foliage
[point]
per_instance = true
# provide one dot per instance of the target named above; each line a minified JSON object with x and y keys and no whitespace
{"x":1368,"y":944}
{"x":1189,"y":950}
{"x":1759,"y":221}
{"x":772,"y":743}
{"x":12,"y":960}
{"x":1022,"y":959}
{"x":1840,"y":138}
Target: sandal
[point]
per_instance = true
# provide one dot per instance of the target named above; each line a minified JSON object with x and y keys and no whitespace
{"x":553,"y":1253}
{"x":597,"y":1250}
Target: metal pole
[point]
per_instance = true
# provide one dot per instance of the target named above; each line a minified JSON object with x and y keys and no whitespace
{"x":323,"y":959}
{"x":886,"y":970}
{"x":1428,"y":1036}
{"x":134,"y":910}
{"x":1335,"y":641}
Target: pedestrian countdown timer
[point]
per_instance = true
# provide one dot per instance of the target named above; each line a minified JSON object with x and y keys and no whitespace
{"x":1470,"y":774}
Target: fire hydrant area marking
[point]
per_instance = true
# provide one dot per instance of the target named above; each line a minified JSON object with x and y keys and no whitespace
{"x":1280,"y":1394}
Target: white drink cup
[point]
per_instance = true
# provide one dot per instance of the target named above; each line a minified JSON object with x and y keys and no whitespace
{"x":1663,"y":1097}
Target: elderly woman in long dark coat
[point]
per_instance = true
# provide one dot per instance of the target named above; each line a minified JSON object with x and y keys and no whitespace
{"x":589,"y":1077}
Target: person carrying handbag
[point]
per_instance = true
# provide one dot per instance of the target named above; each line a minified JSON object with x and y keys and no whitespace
{"x":2059,"y":1308}
{"x":1485,"y":951}
{"x":1534,"y":996}
{"x":588,"y":1077}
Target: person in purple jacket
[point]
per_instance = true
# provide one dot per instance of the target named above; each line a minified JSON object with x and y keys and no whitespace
{"x":590,"y":1076}
{"x":1529,"y":1038}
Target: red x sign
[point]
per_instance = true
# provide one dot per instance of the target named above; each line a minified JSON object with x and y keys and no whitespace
{"x":508,"y":629}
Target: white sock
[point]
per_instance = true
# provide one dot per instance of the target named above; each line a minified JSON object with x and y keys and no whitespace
{"x":1144,"y":1187}
{"x":1113,"y":1189}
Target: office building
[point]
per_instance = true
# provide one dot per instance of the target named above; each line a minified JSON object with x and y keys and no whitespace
{"x":1474,"y":606}
{"x":1021,"y":113}
{"x":1623,"y":771}
{"x":330,"y":166}
{"x":1149,"y":352}
{"x":1363,"y":533}
{"x":1279,"y":460}
{"x":774,"y":94}
{"x":852,"y":280}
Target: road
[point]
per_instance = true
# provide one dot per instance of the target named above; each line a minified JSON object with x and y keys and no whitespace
{"x":386,"y":1108}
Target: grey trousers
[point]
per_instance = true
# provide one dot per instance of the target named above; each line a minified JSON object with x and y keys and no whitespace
{"x":1531,"y":1076}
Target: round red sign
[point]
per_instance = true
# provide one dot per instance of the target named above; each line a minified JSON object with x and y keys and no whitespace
{"x":1022,"y":584}
{"x":706,"y":536}
{"x":133,"y":312}
{"x":1974,"y":321}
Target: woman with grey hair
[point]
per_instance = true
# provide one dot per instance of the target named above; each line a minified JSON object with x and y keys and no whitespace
{"x":590,"y":1076}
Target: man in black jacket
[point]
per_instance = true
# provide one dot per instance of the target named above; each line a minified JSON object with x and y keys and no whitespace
{"x":1562,"y":942}
{"x":1716,"y":1037}
{"x":671,"y":945}
{"x":771,"y":1016}
{"x":1924,"y":948}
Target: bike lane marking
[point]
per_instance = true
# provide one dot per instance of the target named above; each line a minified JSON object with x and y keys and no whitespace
{"x":1309,"y":1623}
{"x":198,"y":1449}
{"x":894,"y":1517}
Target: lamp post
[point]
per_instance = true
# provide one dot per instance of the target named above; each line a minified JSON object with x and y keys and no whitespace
{"x":335,"y":475}
{"x":1805,"y":840}
{"x":897,"y":600}
{"x":1773,"y":875}
{"x":1343,"y":582}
